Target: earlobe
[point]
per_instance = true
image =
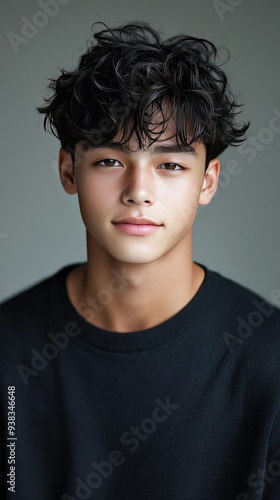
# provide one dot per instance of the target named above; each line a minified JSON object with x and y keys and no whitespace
{"x":66,"y":172}
{"x":210,"y":182}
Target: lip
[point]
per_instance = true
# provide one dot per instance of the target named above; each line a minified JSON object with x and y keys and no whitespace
{"x":137,"y":226}
{"x":137,"y":221}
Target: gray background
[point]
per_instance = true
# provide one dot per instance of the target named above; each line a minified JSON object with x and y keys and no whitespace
{"x":40,"y":227}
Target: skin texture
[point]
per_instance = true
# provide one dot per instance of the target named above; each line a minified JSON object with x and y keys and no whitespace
{"x":160,"y":275}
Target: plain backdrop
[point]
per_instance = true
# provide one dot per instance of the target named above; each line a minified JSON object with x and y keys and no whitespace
{"x":40,"y":227}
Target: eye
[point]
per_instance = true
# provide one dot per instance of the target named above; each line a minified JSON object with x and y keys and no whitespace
{"x":108,"y":162}
{"x":171,"y":166}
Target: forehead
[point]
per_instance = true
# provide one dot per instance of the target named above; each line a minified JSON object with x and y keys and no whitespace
{"x":159,"y":146}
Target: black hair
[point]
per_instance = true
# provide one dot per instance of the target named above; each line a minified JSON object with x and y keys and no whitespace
{"x":128,"y":76}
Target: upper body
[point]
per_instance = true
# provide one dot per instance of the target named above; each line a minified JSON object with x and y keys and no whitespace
{"x":151,"y":334}
{"x":187,"y":409}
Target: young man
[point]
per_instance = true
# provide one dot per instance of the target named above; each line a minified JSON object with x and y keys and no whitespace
{"x":140,"y":374}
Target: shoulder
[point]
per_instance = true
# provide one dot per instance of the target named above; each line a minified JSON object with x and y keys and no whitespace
{"x":30,"y":306}
{"x":26,"y":303}
{"x":246,"y":336}
{"x":242,"y":301}
{"x":244,"y":319}
{"x":26,"y":322}
{"x":251,"y":329}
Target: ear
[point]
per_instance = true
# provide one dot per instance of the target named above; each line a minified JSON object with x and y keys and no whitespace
{"x":210,"y":182}
{"x":66,"y":171}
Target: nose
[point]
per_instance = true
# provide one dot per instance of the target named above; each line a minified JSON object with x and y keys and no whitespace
{"x":139,"y":188}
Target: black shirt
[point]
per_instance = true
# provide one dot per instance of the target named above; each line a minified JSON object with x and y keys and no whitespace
{"x":188,"y":409}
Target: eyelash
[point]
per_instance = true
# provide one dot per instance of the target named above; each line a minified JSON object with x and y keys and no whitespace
{"x":172,"y":163}
{"x":107,"y":159}
{"x":166,"y":163}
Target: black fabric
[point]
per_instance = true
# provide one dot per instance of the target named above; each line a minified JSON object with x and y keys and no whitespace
{"x":186,"y":410}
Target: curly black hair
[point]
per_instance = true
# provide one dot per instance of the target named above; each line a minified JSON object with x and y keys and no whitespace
{"x":129,"y":77}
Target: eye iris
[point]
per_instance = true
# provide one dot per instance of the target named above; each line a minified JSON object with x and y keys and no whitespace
{"x":170,"y":166}
{"x":108,"y":162}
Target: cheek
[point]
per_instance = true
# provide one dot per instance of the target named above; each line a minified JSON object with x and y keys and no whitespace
{"x":89,"y":203}
{"x":95,"y":196}
{"x":185,"y":199}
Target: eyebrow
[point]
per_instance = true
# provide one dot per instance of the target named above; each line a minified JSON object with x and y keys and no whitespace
{"x":158,"y":149}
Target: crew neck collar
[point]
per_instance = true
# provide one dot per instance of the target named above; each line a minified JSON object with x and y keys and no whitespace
{"x":144,"y":339}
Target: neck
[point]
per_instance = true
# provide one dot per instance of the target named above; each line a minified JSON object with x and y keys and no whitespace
{"x":124,"y":297}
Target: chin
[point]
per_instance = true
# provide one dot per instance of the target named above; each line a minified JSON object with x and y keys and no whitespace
{"x":135,"y":260}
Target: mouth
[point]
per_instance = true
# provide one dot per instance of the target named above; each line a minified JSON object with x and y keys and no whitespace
{"x":137,"y":221}
{"x":136,"y":226}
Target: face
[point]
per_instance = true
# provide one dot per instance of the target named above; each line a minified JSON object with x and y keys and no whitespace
{"x":139,"y":205}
